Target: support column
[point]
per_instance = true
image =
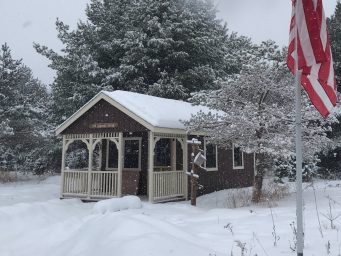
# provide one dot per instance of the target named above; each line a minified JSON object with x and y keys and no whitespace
{"x":63,"y":167}
{"x":120,"y":164}
{"x":185,"y":166}
{"x":173,"y":154}
{"x":151,"y":146}
{"x":90,"y":148}
{"x":103,"y":154}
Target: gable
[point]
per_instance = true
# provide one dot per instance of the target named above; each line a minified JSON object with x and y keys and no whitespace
{"x":103,"y":117}
{"x":149,"y":112}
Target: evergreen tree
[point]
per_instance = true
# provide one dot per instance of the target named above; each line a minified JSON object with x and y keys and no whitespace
{"x":165,"y":48}
{"x":334,"y":28}
{"x":23,"y":104}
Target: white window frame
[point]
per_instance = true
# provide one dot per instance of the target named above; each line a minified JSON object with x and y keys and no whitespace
{"x":216,"y":157}
{"x":124,"y":140}
{"x":233,"y":165}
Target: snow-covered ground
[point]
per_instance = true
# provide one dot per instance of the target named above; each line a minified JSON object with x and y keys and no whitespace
{"x":34,"y":222}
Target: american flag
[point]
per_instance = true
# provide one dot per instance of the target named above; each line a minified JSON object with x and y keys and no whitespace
{"x":315,"y":60}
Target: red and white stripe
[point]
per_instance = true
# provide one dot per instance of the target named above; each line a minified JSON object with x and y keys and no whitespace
{"x":315,"y":60}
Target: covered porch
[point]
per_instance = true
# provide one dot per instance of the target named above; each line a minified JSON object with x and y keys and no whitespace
{"x":120,"y":163}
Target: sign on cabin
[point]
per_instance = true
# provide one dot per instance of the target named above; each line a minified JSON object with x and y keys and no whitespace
{"x":103,"y":125}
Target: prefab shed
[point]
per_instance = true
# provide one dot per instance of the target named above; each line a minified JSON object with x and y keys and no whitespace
{"x":137,"y":144}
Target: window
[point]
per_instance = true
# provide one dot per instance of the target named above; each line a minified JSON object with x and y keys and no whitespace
{"x":211,"y":156}
{"x":132,"y":153}
{"x":162,"y":153}
{"x":238,"y":158}
{"x":112,"y":155}
{"x":179,"y":157}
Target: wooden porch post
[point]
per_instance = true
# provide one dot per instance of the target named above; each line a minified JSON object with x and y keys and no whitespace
{"x":151,"y":166}
{"x":185,"y":165}
{"x":104,"y":154}
{"x":173,"y":154}
{"x":120,"y":164}
{"x":63,"y":167}
{"x":90,"y":148}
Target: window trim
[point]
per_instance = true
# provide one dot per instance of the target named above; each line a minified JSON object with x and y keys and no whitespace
{"x":139,"y":139}
{"x":239,"y":167}
{"x":211,"y":169}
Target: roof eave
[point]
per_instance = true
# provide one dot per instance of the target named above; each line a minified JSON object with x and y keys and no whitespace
{"x":99,"y":96}
{"x":78,"y":113}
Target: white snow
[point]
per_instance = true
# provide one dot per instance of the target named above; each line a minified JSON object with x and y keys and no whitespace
{"x":159,"y":112}
{"x":117,"y":204}
{"x":34,"y":222}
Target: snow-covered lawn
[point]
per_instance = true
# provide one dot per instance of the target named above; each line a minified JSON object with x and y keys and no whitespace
{"x":34,"y":222}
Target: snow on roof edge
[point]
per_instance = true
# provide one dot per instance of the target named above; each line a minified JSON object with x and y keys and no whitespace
{"x":75,"y":113}
{"x":159,"y":112}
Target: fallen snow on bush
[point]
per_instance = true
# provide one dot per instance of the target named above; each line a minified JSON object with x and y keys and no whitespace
{"x":34,"y":222}
{"x":117,"y":204}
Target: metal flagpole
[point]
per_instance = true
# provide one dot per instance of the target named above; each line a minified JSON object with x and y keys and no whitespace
{"x":299,"y":200}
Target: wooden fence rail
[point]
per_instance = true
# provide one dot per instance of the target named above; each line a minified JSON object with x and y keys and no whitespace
{"x":169,"y":184}
{"x":103,"y":184}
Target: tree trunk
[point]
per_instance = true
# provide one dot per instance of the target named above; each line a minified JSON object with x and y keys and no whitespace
{"x":258,"y":182}
{"x":257,"y":188}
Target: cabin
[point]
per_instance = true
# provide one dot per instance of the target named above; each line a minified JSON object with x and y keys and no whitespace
{"x":134,"y":144}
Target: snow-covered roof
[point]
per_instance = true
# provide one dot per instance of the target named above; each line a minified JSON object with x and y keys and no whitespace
{"x":159,"y":112}
{"x":149,"y":110}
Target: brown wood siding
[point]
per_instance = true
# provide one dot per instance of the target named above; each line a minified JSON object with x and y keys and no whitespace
{"x":235,"y":178}
{"x":225,"y":177}
{"x":130,"y":182}
{"x":104,"y":112}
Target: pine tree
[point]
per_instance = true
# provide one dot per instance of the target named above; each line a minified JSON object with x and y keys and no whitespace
{"x":23,"y":104}
{"x":164,"y":48}
{"x":334,"y":28}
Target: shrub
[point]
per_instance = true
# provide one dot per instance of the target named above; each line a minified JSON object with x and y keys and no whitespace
{"x":7,"y":176}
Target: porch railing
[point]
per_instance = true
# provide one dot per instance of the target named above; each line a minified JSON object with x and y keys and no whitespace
{"x":75,"y":183}
{"x":162,"y":168}
{"x":103,"y":184}
{"x":169,"y":184}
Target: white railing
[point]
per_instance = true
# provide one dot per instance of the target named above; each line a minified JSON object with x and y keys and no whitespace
{"x":103,"y":184}
{"x":169,"y":184}
{"x":162,"y":168}
{"x":75,"y":182}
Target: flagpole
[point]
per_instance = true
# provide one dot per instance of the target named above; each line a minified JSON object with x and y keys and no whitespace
{"x":299,"y":200}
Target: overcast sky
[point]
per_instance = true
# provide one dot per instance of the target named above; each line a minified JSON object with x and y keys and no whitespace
{"x":23,"y":22}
